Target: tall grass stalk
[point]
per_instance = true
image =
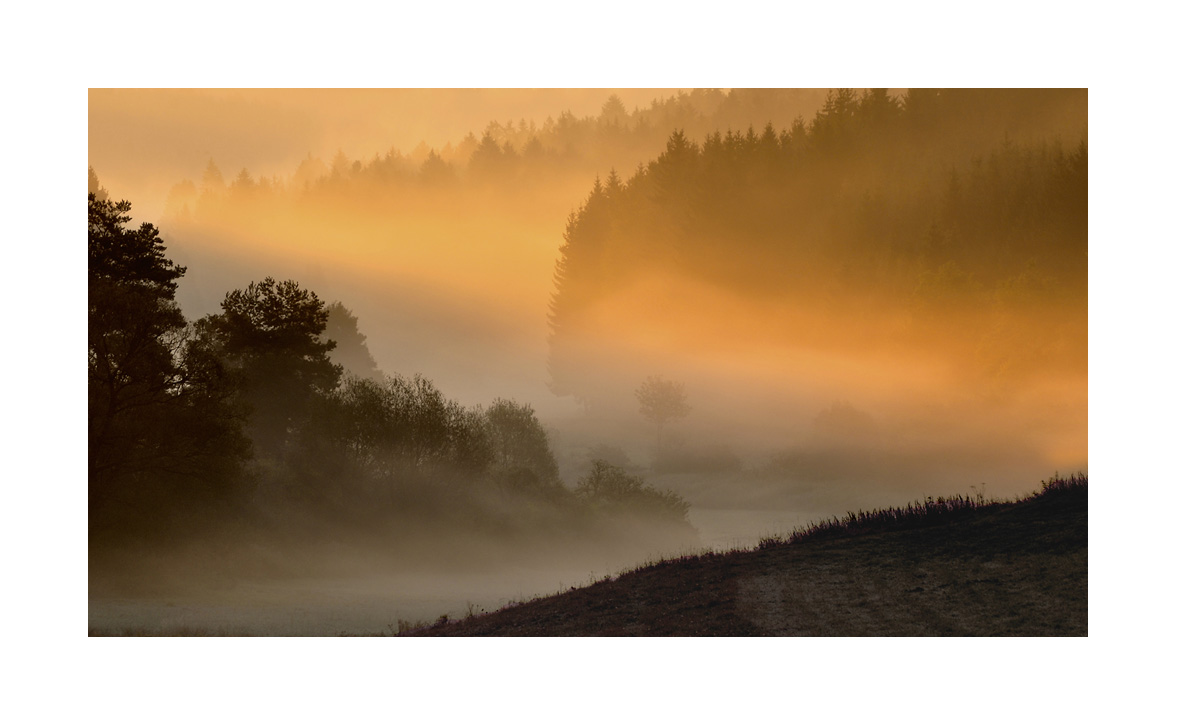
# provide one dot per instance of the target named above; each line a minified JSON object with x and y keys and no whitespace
{"x":931,"y":511}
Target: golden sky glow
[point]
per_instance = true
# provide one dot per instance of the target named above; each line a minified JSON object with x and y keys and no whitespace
{"x":455,"y":284}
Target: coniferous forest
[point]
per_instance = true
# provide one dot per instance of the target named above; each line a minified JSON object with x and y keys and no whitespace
{"x":585,"y":342}
{"x":903,"y":211}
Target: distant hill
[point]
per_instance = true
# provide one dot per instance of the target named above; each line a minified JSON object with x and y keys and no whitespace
{"x":950,"y":569}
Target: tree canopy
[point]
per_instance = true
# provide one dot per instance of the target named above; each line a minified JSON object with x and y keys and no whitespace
{"x":270,"y":335}
{"x":160,"y":433}
{"x":133,"y":326}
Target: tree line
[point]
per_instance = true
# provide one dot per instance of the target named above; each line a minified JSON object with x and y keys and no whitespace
{"x":928,"y":203}
{"x":512,"y":152}
{"x":273,"y":411}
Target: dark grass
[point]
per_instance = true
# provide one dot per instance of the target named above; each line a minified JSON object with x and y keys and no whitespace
{"x":916,"y":515}
{"x":1021,"y":572}
{"x":626,"y":604}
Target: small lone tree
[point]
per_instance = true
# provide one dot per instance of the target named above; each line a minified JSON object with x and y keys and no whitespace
{"x":660,"y":401}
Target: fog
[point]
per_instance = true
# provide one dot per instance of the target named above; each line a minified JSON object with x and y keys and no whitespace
{"x":863,"y":299}
{"x":142,"y":141}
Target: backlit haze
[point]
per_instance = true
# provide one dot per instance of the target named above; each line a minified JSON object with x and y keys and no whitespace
{"x":145,"y":140}
{"x":862,"y":331}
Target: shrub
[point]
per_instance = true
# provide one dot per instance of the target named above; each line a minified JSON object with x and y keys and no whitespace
{"x":521,"y":459}
{"x":610,"y":488}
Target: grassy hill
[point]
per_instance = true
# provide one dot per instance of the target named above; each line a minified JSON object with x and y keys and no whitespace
{"x":942,"y":567}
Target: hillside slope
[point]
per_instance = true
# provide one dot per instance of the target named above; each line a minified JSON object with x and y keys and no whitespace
{"x":1006,"y":569}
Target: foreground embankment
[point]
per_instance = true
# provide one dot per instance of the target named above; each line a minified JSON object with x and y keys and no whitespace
{"x":1004,"y":568}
